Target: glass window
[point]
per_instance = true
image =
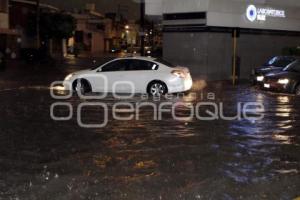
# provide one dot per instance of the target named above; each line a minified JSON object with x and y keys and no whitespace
{"x":137,"y":65}
{"x":295,"y":67}
{"x":165,"y":62}
{"x":272,"y":61}
{"x":283,"y":62}
{"x":119,"y":65}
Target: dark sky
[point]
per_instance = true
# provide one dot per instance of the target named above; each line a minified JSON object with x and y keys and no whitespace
{"x":128,"y":7}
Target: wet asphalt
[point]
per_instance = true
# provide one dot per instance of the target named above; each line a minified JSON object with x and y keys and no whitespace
{"x":42,"y":158}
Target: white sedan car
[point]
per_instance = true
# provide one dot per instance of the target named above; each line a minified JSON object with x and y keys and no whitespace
{"x":132,"y":75}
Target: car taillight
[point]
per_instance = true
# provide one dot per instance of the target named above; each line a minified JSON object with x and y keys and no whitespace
{"x":179,"y":73}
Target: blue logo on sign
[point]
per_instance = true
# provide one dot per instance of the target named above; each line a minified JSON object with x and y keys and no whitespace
{"x":251,"y":13}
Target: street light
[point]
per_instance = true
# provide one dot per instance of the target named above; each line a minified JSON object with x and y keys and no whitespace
{"x":127,"y":27}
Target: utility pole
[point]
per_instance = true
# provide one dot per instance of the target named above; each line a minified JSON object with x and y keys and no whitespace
{"x":152,"y":35}
{"x":38,"y":24}
{"x":142,"y":31}
{"x":234,"y":57}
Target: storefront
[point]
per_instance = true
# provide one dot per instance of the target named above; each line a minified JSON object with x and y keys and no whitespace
{"x":200,"y":34}
{"x":9,"y":38}
{"x":9,"y":42}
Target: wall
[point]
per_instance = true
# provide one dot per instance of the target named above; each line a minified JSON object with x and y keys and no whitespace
{"x":153,"y":7}
{"x":97,"y":43}
{"x":4,"y":21}
{"x":209,"y":54}
{"x":254,"y":50}
{"x":232,"y":13}
{"x":175,"y":6}
{"x":207,"y":49}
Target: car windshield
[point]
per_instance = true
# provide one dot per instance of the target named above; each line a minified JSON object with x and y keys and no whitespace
{"x":280,"y":61}
{"x":165,"y":62}
{"x":294,"y":67}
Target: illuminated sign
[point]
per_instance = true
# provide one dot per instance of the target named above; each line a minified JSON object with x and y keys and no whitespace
{"x":253,"y":13}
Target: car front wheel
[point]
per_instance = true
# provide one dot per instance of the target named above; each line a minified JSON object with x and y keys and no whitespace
{"x":298,"y":90}
{"x":82,"y":86}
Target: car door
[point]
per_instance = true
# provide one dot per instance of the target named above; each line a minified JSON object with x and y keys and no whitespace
{"x":113,"y":72}
{"x":140,"y":73}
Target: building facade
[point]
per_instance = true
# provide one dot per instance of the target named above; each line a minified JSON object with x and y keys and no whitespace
{"x":8,"y":37}
{"x":21,"y":13}
{"x":199,"y":34}
{"x":114,"y":31}
{"x":4,"y":14}
{"x":120,"y":33}
{"x":89,"y":34}
{"x":97,"y":33}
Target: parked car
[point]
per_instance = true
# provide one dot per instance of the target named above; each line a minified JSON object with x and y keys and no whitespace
{"x":275,"y":64}
{"x":132,"y":75}
{"x":115,"y":50}
{"x":288,"y":80}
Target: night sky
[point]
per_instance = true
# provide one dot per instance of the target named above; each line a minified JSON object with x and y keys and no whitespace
{"x":129,"y":8}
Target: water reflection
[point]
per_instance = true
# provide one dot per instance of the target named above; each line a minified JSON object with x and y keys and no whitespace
{"x":263,"y":139}
{"x":284,"y":139}
{"x":199,"y":85}
{"x":283,"y":109}
{"x":283,"y":99}
{"x":148,"y":159}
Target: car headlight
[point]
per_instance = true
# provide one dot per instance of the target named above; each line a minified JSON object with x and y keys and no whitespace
{"x":260,"y":78}
{"x":283,"y":81}
{"x":68,"y":77}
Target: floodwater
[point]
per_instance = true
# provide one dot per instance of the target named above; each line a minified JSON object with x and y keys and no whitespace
{"x":145,"y":159}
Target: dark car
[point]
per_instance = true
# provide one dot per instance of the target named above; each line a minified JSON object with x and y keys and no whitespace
{"x":115,"y":50}
{"x":287,"y":80}
{"x":276,"y":64}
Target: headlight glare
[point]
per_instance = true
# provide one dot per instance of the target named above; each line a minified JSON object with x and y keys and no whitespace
{"x":260,"y":78}
{"x":69,"y":77}
{"x":283,"y":81}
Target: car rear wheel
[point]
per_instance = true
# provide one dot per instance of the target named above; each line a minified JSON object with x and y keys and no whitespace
{"x":157,"y":88}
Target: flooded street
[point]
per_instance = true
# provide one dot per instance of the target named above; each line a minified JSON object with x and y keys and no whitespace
{"x":145,"y":159}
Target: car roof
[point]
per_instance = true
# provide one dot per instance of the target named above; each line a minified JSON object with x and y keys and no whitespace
{"x":139,"y":58}
{"x":287,"y":57}
{"x":150,"y":59}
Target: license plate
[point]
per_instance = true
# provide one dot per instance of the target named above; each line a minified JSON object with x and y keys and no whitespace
{"x":267,"y":85}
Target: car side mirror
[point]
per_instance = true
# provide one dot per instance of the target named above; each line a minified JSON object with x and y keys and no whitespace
{"x":99,"y":70}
